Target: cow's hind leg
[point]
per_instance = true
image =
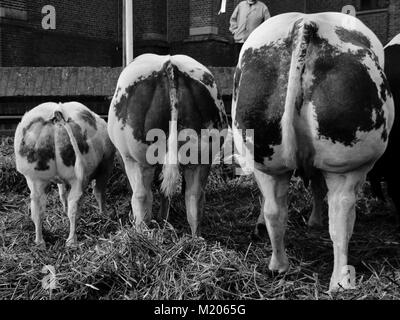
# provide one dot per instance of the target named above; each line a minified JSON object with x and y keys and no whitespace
{"x":260,"y":232}
{"x":140,"y":178}
{"x":392,"y":181}
{"x":195,"y":181}
{"x":74,"y":198}
{"x":100,"y":182}
{"x":274,"y":190}
{"x":319,"y":190}
{"x":163,"y":213}
{"x":342,"y":191}
{"x":62,"y":190}
{"x":38,"y":206}
{"x":164,"y":208}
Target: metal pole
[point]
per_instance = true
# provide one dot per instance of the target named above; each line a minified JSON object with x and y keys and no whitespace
{"x":123,"y":34}
{"x":128,"y":4}
{"x":1,"y":49}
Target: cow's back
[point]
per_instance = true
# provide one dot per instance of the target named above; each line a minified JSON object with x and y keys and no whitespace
{"x":343,"y":108}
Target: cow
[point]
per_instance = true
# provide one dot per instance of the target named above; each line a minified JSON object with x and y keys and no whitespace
{"x":165,"y":93}
{"x":67,"y":144}
{"x":386,"y":167}
{"x":313,"y":89}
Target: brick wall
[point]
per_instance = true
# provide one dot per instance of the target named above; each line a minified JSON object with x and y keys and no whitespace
{"x":210,"y":52}
{"x":202,"y":13}
{"x":394,"y":19}
{"x":178,"y":20}
{"x":87,"y":33}
{"x":13,"y":4}
{"x":15,"y":42}
{"x":150,"y":27}
{"x":385,"y":23}
{"x":376,"y":20}
{"x":90,"y":32}
{"x":282,"y":6}
{"x":92,"y":19}
{"x":329,"y":5}
{"x":150,"y":17}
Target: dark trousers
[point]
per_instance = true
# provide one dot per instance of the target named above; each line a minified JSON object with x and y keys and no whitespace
{"x":236,"y":51}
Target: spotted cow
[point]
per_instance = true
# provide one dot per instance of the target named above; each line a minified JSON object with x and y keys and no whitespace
{"x":168,"y":94}
{"x":312,"y":88}
{"x":66,"y":144}
{"x":387,"y":168}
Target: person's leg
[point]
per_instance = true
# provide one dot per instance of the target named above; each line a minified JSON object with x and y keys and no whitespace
{"x":237,"y":48}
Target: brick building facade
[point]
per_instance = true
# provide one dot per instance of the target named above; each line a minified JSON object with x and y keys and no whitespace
{"x":89,"y":33}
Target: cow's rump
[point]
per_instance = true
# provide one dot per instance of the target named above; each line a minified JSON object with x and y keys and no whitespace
{"x":43,"y":147}
{"x":310,"y":84}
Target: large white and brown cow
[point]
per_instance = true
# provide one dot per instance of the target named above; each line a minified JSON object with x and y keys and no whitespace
{"x":67,"y":144}
{"x":179,"y":97}
{"x":312,"y":88}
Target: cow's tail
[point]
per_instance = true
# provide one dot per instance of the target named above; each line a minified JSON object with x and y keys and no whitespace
{"x":302,"y":32}
{"x":170,"y":171}
{"x":79,"y":167}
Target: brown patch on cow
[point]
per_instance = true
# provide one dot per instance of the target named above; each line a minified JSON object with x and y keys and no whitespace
{"x":344,"y":94}
{"x":138,"y":95}
{"x":354,"y":37}
{"x":89,"y":118}
{"x":66,"y":150}
{"x":39,"y":150}
{"x":262,"y":93}
{"x":207,"y":79}
{"x":236,"y":81}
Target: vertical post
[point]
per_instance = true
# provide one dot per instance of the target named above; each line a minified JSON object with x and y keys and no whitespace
{"x":128,"y":31}
{"x":1,"y":49}
{"x":305,"y":6}
{"x":123,"y":33}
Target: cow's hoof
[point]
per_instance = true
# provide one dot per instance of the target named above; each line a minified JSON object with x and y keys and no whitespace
{"x":260,"y":233}
{"x":196,"y":235}
{"x":41,"y":245}
{"x":72,"y":243}
{"x":279,"y":265}
{"x":315,"y":220}
{"x":337,"y":285}
{"x":198,"y":238}
{"x":315,"y":224}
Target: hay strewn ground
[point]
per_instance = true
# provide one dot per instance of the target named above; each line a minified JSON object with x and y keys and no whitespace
{"x":115,"y":262}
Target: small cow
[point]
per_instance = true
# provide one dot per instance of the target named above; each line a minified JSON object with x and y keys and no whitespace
{"x":387,"y":167}
{"x":66,"y":144}
{"x":313,"y":89}
{"x":164,"y":93}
